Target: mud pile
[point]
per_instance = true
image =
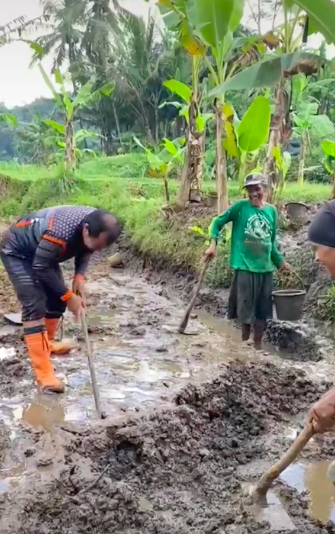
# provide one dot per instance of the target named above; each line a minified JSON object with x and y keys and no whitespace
{"x":13,"y":368}
{"x":171,"y":471}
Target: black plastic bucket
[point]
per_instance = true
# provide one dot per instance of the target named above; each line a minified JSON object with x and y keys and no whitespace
{"x":289,"y":304}
{"x":212,"y":200}
{"x":296,"y":211}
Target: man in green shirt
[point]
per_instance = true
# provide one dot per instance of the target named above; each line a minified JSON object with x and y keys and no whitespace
{"x":254,"y":254}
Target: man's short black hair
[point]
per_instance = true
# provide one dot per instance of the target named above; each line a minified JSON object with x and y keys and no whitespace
{"x":99,"y":221}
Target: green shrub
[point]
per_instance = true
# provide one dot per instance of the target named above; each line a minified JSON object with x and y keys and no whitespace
{"x":325,"y":305}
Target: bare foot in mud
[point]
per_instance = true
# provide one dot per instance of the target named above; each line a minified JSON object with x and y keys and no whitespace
{"x":259,"y":348}
{"x":247,"y":344}
{"x":258,"y":345}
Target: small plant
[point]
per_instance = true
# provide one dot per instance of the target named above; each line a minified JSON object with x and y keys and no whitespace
{"x":162,"y":163}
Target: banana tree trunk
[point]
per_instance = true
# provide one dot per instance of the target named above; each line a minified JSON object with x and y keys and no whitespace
{"x":191,"y":178}
{"x":69,"y":142}
{"x":220,"y":163}
{"x":166,"y":187}
{"x":302,"y":160}
{"x":279,"y":134}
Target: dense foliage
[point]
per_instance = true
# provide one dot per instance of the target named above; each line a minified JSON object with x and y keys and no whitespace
{"x":176,"y":77}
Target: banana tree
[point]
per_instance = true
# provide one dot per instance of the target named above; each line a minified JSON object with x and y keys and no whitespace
{"x":57,"y":141}
{"x":177,"y":16}
{"x":85,"y":96}
{"x":287,"y":60}
{"x":163,"y":162}
{"x":218,"y":39}
{"x":191,"y":180}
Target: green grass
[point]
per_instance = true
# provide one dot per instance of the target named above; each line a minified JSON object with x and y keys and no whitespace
{"x":120,"y":185}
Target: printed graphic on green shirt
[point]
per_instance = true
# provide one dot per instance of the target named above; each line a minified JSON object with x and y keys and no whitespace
{"x":257,"y":234}
{"x":258,"y":227}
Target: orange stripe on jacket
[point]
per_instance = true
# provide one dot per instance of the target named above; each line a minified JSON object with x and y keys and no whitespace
{"x":22,"y":224}
{"x":55,"y":240}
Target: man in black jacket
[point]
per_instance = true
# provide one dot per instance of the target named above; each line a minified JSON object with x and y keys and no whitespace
{"x":31,"y":252}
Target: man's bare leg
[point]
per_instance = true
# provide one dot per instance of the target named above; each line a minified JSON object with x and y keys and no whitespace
{"x":246,"y":330}
{"x":259,"y":329}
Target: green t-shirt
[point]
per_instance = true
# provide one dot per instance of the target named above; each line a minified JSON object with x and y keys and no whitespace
{"x":253,"y":240}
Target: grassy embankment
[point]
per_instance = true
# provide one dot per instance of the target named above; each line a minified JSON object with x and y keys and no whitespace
{"x":119,"y":184}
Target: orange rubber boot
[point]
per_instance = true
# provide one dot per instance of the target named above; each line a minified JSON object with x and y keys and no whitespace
{"x":39,"y":353}
{"x":59,"y":348}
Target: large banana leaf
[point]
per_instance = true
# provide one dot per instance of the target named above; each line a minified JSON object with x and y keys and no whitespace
{"x":322,"y":125}
{"x":60,"y":128}
{"x":267,"y":73}
{"x":254,"y":128}
{"x":51,"y":86}
{"x":230,"y":141}
{"x":216,"y":18}
{"x":329,"y":148}
{"x":322,"y":14}
{"x":84,"y":93}
{"x":180,"y":89}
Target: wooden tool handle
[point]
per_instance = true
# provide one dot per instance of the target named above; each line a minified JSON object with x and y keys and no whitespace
{"x":91,"y":367}
{"x":186,"y":317}
{"x":274,"y":471}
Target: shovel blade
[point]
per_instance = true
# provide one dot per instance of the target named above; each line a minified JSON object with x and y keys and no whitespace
{"x":14,"y":318}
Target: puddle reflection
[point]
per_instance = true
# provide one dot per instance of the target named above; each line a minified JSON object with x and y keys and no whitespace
{"x":44,"y":413}
{"x":313,"y":478}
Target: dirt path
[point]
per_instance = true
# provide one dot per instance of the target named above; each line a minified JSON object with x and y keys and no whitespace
{"x":192,"y":419}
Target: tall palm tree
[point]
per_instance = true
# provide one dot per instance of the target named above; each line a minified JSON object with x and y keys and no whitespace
{"x":14,"y":29}
{"x":142,"y":62}
{"x":64,"y":40}
{"x":102,"y":23}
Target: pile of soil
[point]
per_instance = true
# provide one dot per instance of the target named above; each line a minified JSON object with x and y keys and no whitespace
{"x":15,"y":368}
{"x":171,"y":471}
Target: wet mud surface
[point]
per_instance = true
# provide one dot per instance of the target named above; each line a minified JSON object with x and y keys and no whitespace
{"x":309,"y":339}
{"x":192,"y":420}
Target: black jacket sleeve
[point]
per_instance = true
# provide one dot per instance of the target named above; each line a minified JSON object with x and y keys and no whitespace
{"x":81,"y":262}
{"x":44,"y":264}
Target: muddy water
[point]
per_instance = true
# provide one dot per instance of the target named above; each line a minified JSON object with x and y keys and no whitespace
{"x":313,"y":478}
{"x":140,"y":360}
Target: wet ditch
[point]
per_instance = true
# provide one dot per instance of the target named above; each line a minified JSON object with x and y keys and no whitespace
{"x":306,"y":340}
{"x":192,"y":419}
